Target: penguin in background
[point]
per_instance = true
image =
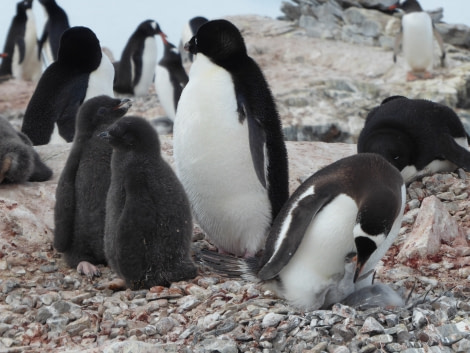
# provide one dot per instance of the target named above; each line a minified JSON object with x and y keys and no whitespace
{"x":417,"y":136}
{"x":229,"y":147}
{"x":80,"y":72}
{"x":136,"y":70}
{"x":19,"y":162}
{"x":57,"y":23}
{"x":190,"y":30}
{"x":20,"y":60}
{"x":148,"y":218}
{"x":171,"y":78}
{"x":79,"y":213}
{"x":416,"y":39}
{"x":353,"y":206}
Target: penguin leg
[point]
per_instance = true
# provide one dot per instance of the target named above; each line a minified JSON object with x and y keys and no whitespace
{"x":88,"y":269}
{"x":441,"y":45}
{"x":6,"y":164}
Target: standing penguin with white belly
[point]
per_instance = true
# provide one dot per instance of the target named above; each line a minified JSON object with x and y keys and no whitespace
{"x":416,"y":37}
{"x":136,"y":69}
{"x":228,"y":144}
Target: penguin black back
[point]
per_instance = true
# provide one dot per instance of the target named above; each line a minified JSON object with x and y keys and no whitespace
{"x":415,"y":133}
{"x":57,"y":23}
{"x":62,"y":87}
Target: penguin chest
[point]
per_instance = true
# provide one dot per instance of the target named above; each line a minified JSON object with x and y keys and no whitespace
{"x":31,"y":68}
{"x":149,"y":60}
{"x":165,"y":91}
{"x":318,"y":265}
{"x":100,"y":81}
{"x":418,"y":40}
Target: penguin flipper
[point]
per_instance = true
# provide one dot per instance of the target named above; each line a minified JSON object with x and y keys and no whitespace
{"x":64,"y":210}
{"x":20,"y":44}
{"x":299,"y":216}
{"x":454,"y":152}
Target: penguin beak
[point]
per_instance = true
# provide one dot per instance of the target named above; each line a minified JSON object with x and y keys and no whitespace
{"x":3,"y":55}
{"x":164,"y":38}
{"x":365,"y":247}
{"x":125,"y":103}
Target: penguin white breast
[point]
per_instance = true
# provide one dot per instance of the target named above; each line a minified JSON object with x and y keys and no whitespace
{"x":214,"y":163}
{"x":319,"y":262}
{"x":418,"y":45}
{"x":100,"y":81}
{"x":149,"y":61}
{"x":165,"y":91}
{"x":31,"y":68}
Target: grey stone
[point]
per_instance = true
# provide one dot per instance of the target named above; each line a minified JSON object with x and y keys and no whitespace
{"x":372,"y":326}
{"x":272,"y":319}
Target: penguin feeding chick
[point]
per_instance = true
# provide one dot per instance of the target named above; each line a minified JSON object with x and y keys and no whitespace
{"x":148,"y":218}
{"x":229,"y":147}
{"x":417,"y":136}
{"x":136,"y":70}
{"x":354,"y":205}
{"x":416,"y":38}
{"x":79,"y":213}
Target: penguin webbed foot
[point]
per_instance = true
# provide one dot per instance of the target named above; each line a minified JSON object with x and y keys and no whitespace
{"x":88,"y":269}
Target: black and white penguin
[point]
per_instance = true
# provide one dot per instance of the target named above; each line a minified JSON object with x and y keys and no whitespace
{"x":416,"y":38}
{"x":19,"y":162}
{"x":170,"y":79}
{"x":189,"y":31}
{"x":136,"y":70}
{"x":229,"y":148}
{"x":56,"y":24}
{"x":417,"y":136}
{"x":354,"y":205}
{"x":79,"y":213}
{"x":80,"y":72}
{"x":148,"y":217}
{"x":20,"y":48}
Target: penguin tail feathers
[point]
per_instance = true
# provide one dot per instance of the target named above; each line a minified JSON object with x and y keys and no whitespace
{"x":230,"y":266}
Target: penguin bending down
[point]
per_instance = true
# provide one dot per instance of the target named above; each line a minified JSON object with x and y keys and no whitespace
{"x":136,"y":70}
{"x":228,"y":144}
{"x":417,"y":136}
{"x":56,"y":24}
{"x":21,"y":60}
{"x":189,"y":31}
{"x":354,"y":205}
{"x":148,"y":218}
{"x":79,"y":213}
{"x":170,"y":79}
{"x":80,"y":72}
{"x":19,"y":162}
{"x":416,"y":37}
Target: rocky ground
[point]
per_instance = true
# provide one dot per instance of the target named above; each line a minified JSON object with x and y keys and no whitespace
{"x":47,"y":307}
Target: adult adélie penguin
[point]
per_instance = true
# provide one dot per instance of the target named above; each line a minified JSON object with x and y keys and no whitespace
{"x":416,"y":38}
{"x":352,"y":206}
{"x":229,"y":148}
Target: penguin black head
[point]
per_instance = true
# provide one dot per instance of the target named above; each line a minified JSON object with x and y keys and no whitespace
{"x":80,"y":48}
{"x":101,"y":110}
{"x":132,"y":133}
{"x":220,"y":41}
{"x":28,"y":4}
{"x":407,"y":6}
{"x":149,"y":28}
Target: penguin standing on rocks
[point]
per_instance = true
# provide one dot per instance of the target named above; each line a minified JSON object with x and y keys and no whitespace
{"x":229,"y":147}
{"x":417,"y":136}
{"x":416,"y":38}
{"x":354,"y":205}
{"x":80,"y":72}
{"x":136,"y":70}
{"x":19,"y":162}
{"x":57,"y":23}
{"x":21,"y":60}
{"x":189,"y":31}
{"x":79,"y":213}
{"x":148,"y":218}
{"x":170,"y":79}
